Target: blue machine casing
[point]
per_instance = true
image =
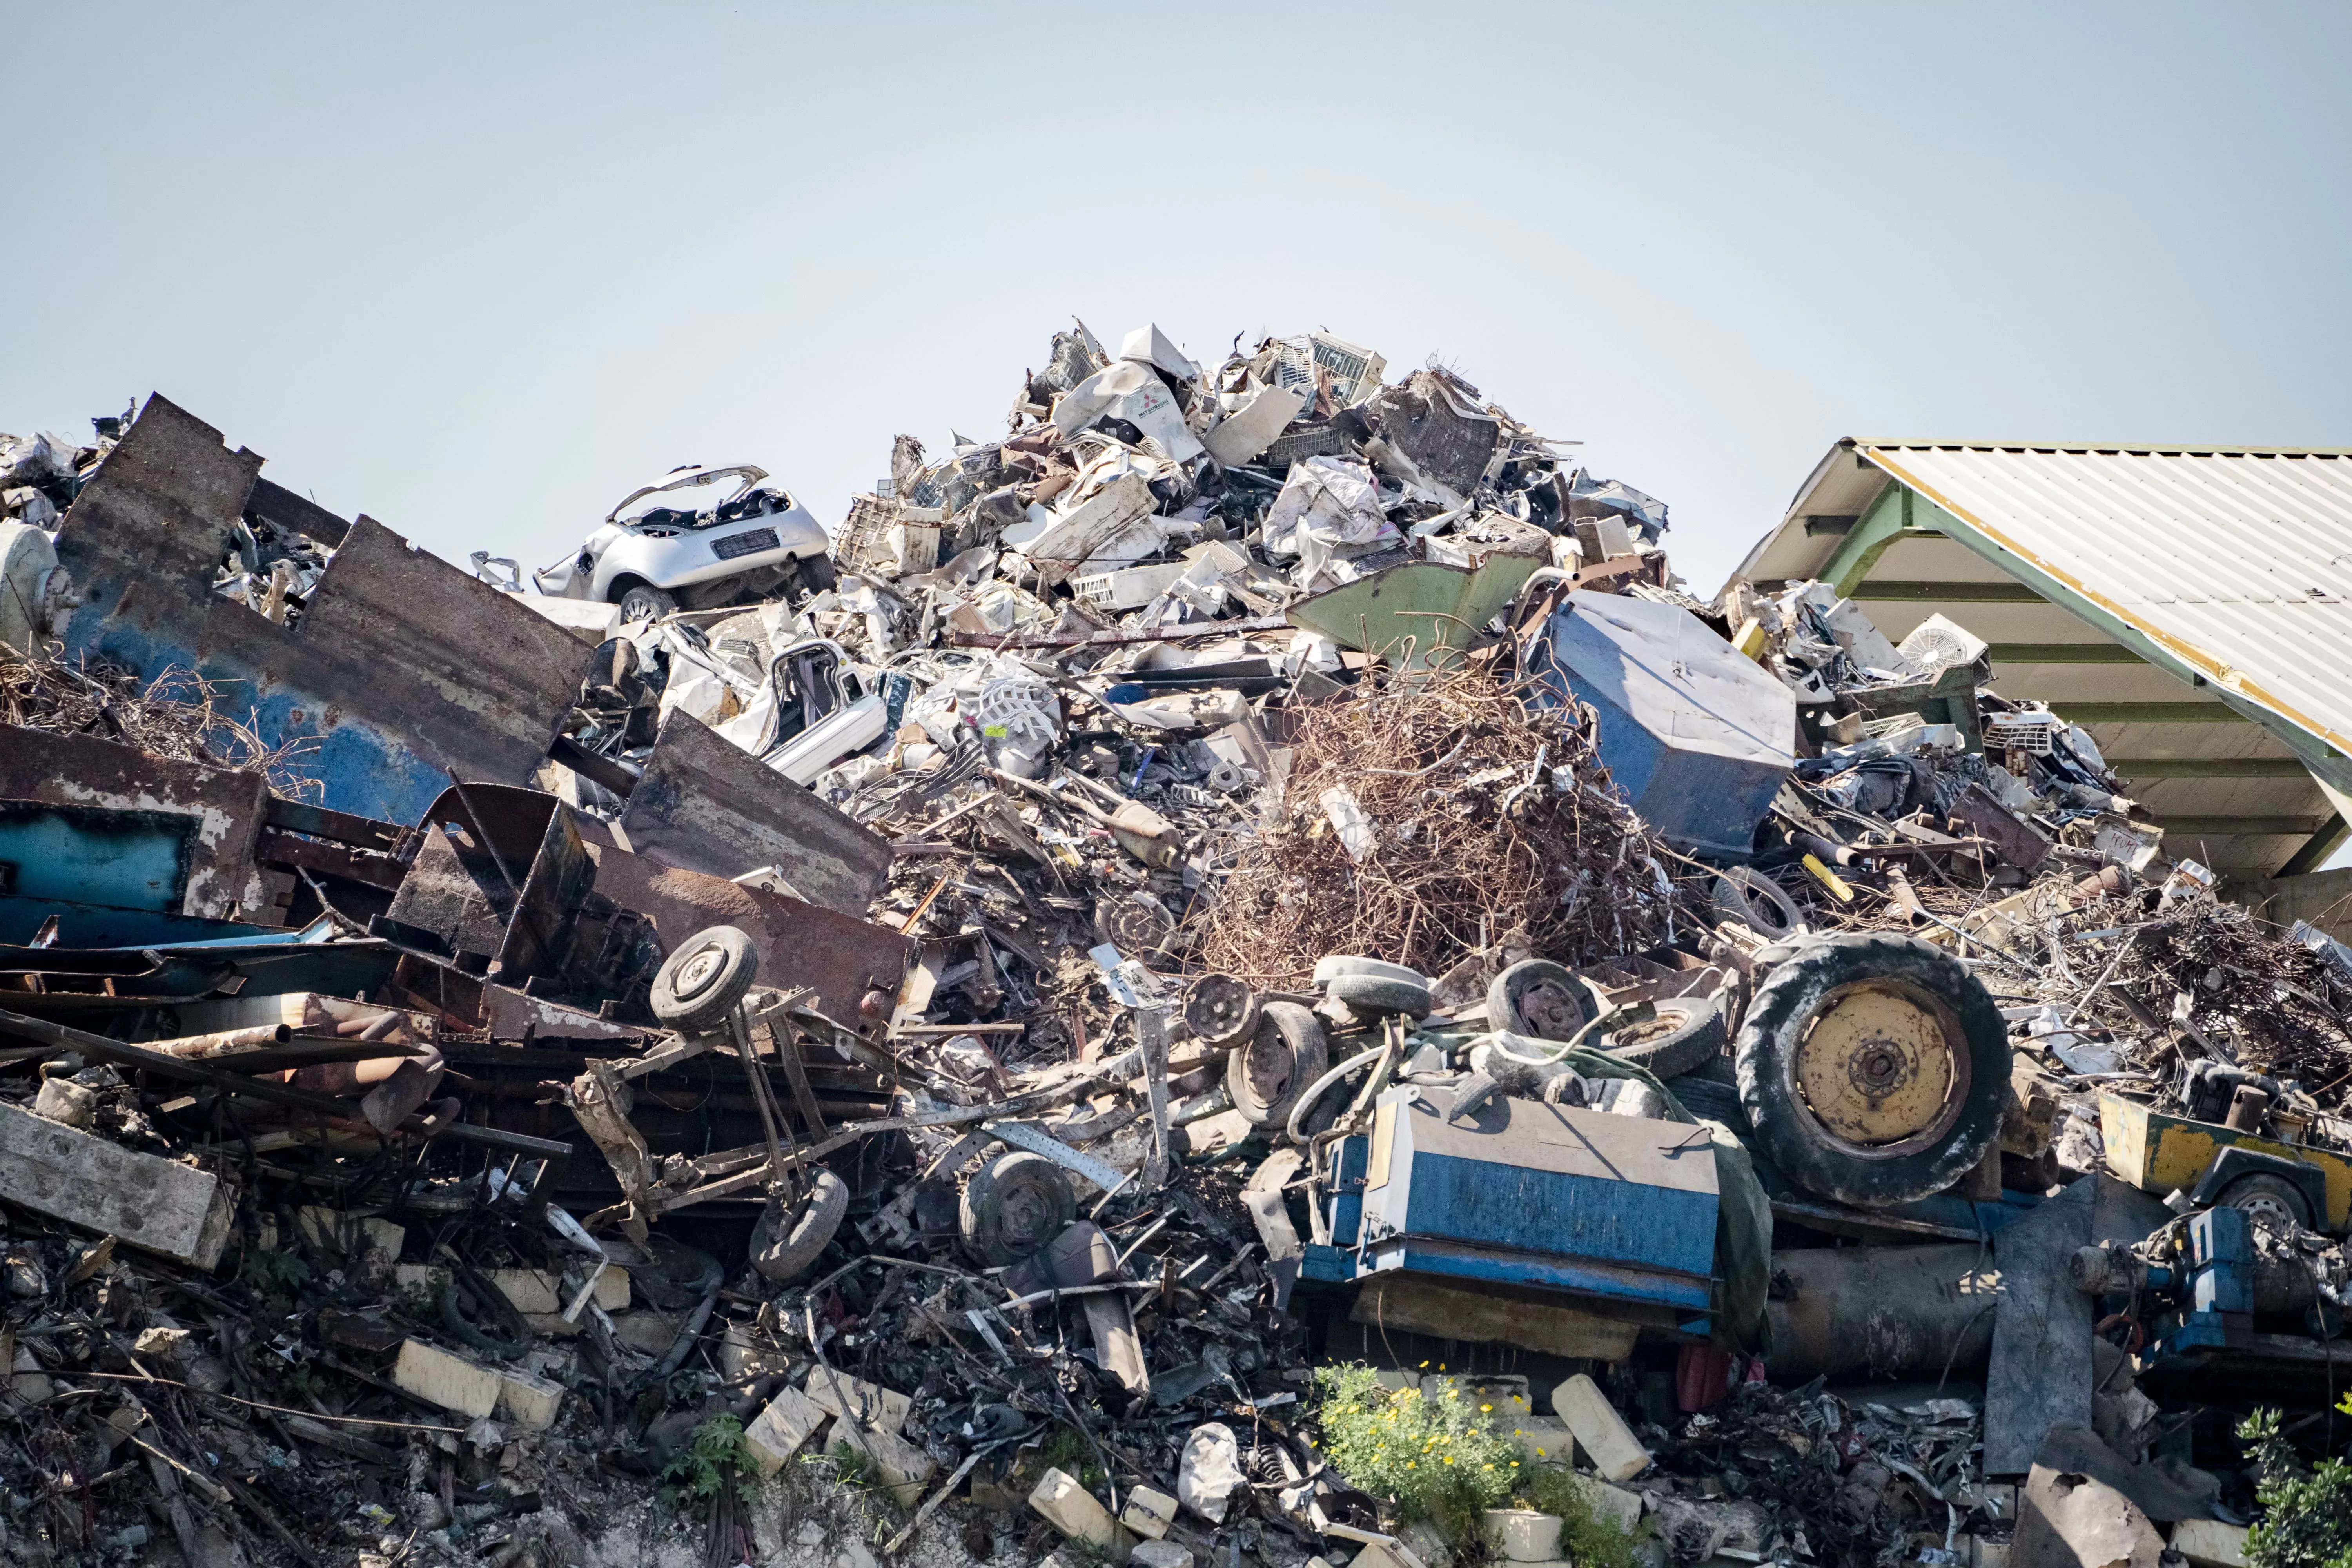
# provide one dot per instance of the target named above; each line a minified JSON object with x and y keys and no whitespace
{"x":1698,"y":735}
{"x":1614,"y":1209}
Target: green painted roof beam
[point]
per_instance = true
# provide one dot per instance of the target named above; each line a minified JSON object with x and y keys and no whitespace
{"x":2315,"y":849}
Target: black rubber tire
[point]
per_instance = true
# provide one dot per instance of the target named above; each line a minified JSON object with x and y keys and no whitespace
{"x":1538,"y":998}
{"x":1332,"y":966}
{"x":817,"y":574}
{"x":500,"y":1330}
{"x":1716,"y":1101}
{"x":1267,"y":1073}
{"x":781,"y":1252}
{"x":644,"y":602}
{"x":679,"y":1275}
{"x":1758,"y":902}
{"x":701,"y":982}
{"x":1014,"y":1205}
{"x":1786,"y":1004}
{"x":2263,"y":1197}
{"x":1686,"y":1035}
{"x":1375,"y":995}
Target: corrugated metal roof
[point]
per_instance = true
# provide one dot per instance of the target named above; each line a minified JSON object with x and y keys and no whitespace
{"x":2238,"y":561}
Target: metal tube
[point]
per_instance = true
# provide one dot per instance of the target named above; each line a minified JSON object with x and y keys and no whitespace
{"x":1883,"y":1310}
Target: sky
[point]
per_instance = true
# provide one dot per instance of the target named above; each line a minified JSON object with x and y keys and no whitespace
{"x":477,"y":271}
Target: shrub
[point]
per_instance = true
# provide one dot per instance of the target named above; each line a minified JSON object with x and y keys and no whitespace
{"x":1585,"y":1538}
{"x":2306,"y":1514}
{"x":1440,"y":1459}
{"x":713,"y":1459}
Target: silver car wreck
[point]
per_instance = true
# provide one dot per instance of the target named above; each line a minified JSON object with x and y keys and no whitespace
{"x":676,"y":544}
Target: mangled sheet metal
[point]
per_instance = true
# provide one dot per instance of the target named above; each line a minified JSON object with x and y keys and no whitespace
{"x":85,"y":821}
{"x":402,"y":669}
{"x":704,"y":804}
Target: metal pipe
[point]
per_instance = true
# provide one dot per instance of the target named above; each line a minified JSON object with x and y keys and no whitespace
{"x":221,"y":1040}
{"x":1882,"y":1311}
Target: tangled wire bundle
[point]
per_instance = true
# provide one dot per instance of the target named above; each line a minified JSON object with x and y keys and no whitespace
{"x":1483,"y":815}
{"x":177,"y":715}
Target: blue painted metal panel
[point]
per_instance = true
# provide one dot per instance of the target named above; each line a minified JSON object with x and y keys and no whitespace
{"x":1329,"y":1265}
{"x":1697,"y":735}
{"x":1560,"y":1213}
{"x":1348,"y":1191}
{"x":115,"y":859}
{"x":1582,"y":1277}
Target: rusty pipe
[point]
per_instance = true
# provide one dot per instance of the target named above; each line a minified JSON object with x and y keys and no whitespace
{"x":1899,"y":888}
{"x":223,"y":1040}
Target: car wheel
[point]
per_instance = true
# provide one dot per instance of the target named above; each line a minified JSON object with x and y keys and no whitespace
{"x":1329,"y":969}
{"x":1221,"y":1011}
{"x":1876,"y":1069}
{"x":782,"y":1252}
{"x":1014,"y":1205}
{"x":817,"y":574}
{"x":1283,"y":1056}
{"x":644,"y":602}
{"x":700,"y":984}
{"x":2271,"y":1201}
{"x":1539,"y":999}
{"x":1686,"y":1035}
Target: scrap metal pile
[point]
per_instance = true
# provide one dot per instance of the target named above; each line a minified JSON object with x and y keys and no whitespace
{"x":973,"y":1016}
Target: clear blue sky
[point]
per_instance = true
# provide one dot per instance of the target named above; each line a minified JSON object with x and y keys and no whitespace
{"x":477,"y":270}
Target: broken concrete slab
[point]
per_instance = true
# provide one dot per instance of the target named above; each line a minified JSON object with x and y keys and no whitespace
{"x":1599,"y":1431}
{"x":777,"y":1433}
{"x":1147,"y":1511}
{"x":1073,"y":1511}
{"x":870,"y":1404}
{"x":446,"y":1379}
{"x":2209,"y":1543}
{"x":149,"y":1201}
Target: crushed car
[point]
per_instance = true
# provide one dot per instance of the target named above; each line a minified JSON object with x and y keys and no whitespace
{"x":696,"y":538}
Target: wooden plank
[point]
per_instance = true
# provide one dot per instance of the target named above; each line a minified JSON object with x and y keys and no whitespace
{"x":2041,"y":1370}
{"x":1525,"y":1319}
{"x":159,"y":1204}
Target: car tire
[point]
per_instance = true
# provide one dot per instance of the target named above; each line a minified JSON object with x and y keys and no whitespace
{"x":1014,"y":1205}
{"x":644,"y":602}
{"x":817,"y":574}
{"x":2273,"y":1202}
{"x":1377,"y":995}
{"x":1876,"y":1069}
{"x":1686,"y":1034}
{"x":699,"y":984}
{"x":1329,"y":969}
{"x":1539,"y":999}
{"x":1757,"y":901}
{"x":782,"y":1252}
{"x":1267,"y":1073}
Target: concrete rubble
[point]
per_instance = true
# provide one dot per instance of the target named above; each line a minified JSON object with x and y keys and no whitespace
{"x":945,"y":1038}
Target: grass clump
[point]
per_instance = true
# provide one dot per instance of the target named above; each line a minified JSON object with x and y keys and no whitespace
{"x":1586,"y":1539}
{"x":1440,"y":1459}
{"x":713,"y":1459}
{"x":2307,"y":1513}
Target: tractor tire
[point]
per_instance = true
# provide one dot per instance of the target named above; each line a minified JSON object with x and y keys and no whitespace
{"x":1876,"y":1069}
{"x":1539,"y":999}
{"x":1014,"y":1205}
{"x":1267,"y":1073}
{"x":782,"y":1252}
{"x":1686,"y":1035}
{"x":700,"y":982}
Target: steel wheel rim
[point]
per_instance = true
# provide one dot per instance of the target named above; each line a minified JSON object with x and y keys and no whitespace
{"x":1880,"y":1070}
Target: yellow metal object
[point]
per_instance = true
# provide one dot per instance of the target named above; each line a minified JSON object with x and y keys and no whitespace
{"x":2159,"y":1154}
{"x":1876,"y":1067}
{"x":1829,"y":880}
{"x":1750,"y":639}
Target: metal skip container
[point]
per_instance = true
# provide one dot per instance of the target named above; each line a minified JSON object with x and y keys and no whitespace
{"x":1698,"y":735}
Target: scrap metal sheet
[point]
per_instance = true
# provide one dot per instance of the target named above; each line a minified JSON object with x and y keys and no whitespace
{"x":401,"y":668}
{"x":706,"y":804}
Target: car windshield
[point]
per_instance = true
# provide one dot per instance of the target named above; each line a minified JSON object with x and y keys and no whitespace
{"x":692,"y":493}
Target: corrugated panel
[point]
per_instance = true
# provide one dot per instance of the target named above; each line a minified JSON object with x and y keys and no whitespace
{"x":2239,"y":562}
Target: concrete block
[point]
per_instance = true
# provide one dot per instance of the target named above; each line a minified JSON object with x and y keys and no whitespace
{"x":1983,"y":1553}
{"x":143,"y":1200}
{"x":2209,"y":1543}
{"x":447,"y":1380}
{"x":904,"y":1470}
{"x":1599,"y":1431}
{"x":67,"y":1102}
{"x":777,"y":1433}
{"x":1541,"y":1440}
{"x":647,"y":1332}
{"x":1522,"y":1535}
{"x":742,"y":1357}
{"x":1072,"y":1509}
{"x":1149,"y":1512}
{"x":541,"y":1291}
{"x":1611,"y":1505}
{"x":1159,"y":1554}
{"x":527,"y":1402}
{"x":877,"y":1408}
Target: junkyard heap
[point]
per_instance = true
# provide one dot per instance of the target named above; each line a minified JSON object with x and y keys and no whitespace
{"x":1263,"y":866}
